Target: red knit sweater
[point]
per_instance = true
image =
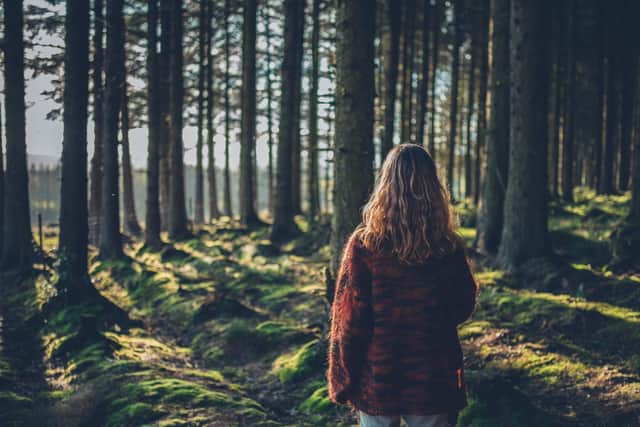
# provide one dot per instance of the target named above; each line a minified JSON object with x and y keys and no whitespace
{"x":394,"y":347}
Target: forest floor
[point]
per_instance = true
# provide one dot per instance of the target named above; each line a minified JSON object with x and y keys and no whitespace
{"x":226,"y":329}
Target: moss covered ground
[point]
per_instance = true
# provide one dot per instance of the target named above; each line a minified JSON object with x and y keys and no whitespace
{"x":227,"y":330}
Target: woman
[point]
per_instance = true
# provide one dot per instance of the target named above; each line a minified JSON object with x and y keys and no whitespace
{"x":403,"y":287}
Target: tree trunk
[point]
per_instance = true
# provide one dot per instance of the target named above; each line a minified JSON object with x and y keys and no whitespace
{"x":214,"y":211}
{"x":296,"y":161}
{"x":165,"y":125}
{"x":392,"y":40}
{"x":270,"y":141}
{"x":74,"y":227}
{"x":355,"y":22}
{"x":629,"y":79}
{"x":569,"y":120}
{"x":131,"y":224}
{"x":470,"y":98}
{"x":490,"y":208}
{"x":434,"y":61}
{"x":110,"y":242}
{"x":283,"y":225}
{"x":248,"y":216}
{"x":313,"y":191}
{"x":407,"y":71}
{"x":606,"y":180}
{"x":98,"y":120}
{"x":17,"y":250}
{"x":635,"y":181}
{"x":557,"y":114}
{"x":453,"y":115}
{"x":177,"y":211}
{"x":152,"y":218}
{"x":1,"y":185}
{"x":599,"y":106}
{"x":423,"y":90}
{"x":525,"y":233}
{"x":198,"y":218}
{"x":228,"y":211}
{"x":481,"y":126}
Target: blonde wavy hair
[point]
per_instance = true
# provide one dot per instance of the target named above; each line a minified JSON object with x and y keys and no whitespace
{"x":409,"y":211}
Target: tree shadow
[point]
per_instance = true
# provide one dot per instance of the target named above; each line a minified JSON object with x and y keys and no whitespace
{"x":23,"y":385}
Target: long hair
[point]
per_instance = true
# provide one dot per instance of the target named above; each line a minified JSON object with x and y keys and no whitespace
{"x":409,"y":211}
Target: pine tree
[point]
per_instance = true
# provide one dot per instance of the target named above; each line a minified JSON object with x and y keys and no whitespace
{"x":95,"y":194}
{"x":490,"y":209}
{"x":110,"y":242}
{"x":202,"y":33}
{"x":313,"y":190}
{"x":74,"y":227}
{"x":248,"y":214}
{"x":152,"y":221}
{"x":354,"y":117}
{"x":391,"y":60}
{"x":283,"y":225}
{"x":455,"y":71}
{"x":423,"y":90}
{"x":177,"y":207}
{"x":525,"y":233}
{"x":214,"y":212}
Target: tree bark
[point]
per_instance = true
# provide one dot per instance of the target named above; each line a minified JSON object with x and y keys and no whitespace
{"x":177,"y":212}
{"x":74,"y":227}
{"x":635,"y":181}
{"x":481,"y":126}
{"x":423,"y":90}
{"x":470,"y":103}
{"x":1,"y":186}
{"x":606,"y":180}
{"x":525,"y":233}
{"x":557,"y":114}
{"x":16,"y":246}
{"x":569,"y":120}
{"x":214,"y":211}
{"x":599,"y":106}
{"x":248,"y":216}
{"x":355,"y":21}
{"x":283,"y":225}
{"x":98,"y":120}
{"x":490,"y":208}
{"x":453,"y":115}
{"x":392,"y":40}
{"x":228,"y":211}
{"x":313,"y":191}
{"x":165,"y":125}
{"x":270,"y":138}
{"x":110,"y":242}
{"x":629,"y":79}
{"x":198,"y":218}
{"x":407,"y":71}
{"x":296,"y":161}
{"x":152,"y":215}
{"x":434,"y":64}
{"x":131,"y":224}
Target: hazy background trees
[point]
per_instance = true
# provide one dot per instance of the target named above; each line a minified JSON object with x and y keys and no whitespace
{"x":244,"y":119}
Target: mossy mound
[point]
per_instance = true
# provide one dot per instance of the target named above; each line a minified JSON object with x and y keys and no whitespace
{"x":300,"y":363}
{"x":625,"y":246}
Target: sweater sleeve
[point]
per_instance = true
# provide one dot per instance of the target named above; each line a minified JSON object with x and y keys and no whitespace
{"x":350,"y":324}
{"x":463,"y":289}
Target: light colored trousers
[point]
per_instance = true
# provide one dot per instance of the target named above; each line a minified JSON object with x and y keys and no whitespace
{"x":438,"y":420}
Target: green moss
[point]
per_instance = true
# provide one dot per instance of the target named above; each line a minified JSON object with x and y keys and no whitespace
{"x":318,"y":402}
{"x":133,"y":414}
{"x":297,"y":364}
{"x":473,"y":329}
